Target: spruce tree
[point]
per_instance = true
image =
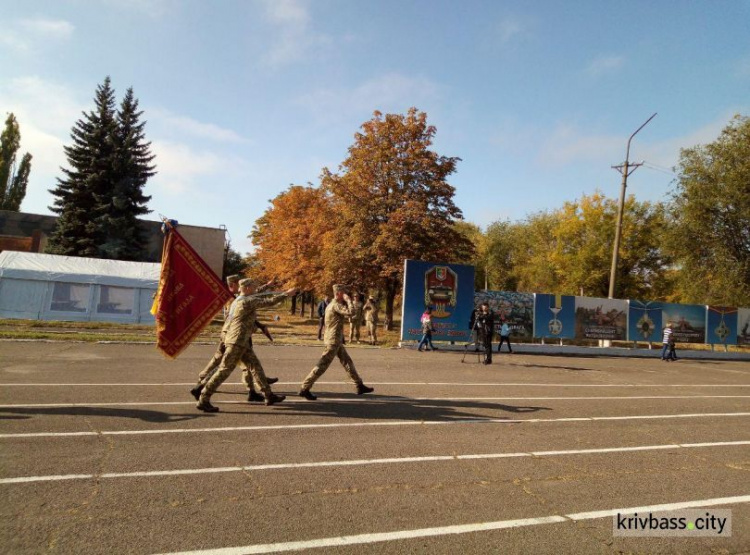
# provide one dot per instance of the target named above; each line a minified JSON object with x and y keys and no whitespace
{"x":101,"y":194}
{"x":118,"y":209}
{"x":89,"y":176}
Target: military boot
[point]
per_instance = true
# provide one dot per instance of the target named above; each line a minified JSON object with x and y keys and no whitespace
{"x":307,"y":394}
{"x":253,"y":395}
{"x":206,"y":406}
{"x":272,"y":381}
{"x":273,"y":398}
{"x":196,"y":391}
{"x":362,"y":389}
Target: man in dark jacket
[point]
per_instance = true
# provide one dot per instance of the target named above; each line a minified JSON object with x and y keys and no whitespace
{"x":322,"y":305}
{"x":485,"y":325}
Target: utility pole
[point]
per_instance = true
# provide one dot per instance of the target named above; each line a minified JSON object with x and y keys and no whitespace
{"x":625,"y":169}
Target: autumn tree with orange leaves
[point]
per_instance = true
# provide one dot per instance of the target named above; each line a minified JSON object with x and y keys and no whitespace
{"x":290,"y":238}
{"x":392,"y":202}
{"x":389,"y":201}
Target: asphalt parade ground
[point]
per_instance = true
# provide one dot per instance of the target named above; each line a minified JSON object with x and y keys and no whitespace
{"x":102,"y":451}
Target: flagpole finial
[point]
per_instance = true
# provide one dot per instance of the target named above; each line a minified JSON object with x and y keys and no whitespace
{"x":167,"y":224}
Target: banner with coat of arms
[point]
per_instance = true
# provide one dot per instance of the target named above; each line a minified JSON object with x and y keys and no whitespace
{"x":448,"y":289}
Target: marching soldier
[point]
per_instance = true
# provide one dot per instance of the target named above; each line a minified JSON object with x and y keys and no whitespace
{"x":213,"y":364}
{"x":340,"y":308}
{"x":242,"y":315}
{"x":355,"y":322}
{"x":371,"y":319}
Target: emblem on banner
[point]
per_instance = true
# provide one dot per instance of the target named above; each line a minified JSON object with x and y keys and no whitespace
{"x":440,"y":288}
{"x":555,"y":326}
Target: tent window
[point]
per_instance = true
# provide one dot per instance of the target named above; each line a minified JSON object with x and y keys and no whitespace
{"x":115,"y":300}
{"x":70,"y":297}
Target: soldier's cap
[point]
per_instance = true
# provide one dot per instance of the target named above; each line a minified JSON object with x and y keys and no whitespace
{"x":247,"y":282}
{"x":340,"y":287}
{"x":233,"y":278}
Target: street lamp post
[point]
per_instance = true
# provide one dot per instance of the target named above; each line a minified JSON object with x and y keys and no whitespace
{"x":626,"y":169}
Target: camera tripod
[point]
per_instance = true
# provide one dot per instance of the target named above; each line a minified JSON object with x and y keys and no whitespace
{"x":478,"y":346}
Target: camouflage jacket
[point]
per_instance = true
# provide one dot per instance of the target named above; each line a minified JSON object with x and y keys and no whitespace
{"x":242,"y":316}
{"x":371,"y":312}
{"x":356,"y":312}
{"x":336,"y":314}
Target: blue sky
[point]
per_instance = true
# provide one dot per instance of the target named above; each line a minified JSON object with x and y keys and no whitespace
{"x":244,"y":98}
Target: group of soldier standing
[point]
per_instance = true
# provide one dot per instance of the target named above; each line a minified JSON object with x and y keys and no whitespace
{"x":361,"y":311}
{"x":236,"y":344}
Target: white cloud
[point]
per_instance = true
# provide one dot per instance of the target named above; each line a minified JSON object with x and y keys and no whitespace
{"x":291,"y":12}
{"x":666,"y":153}
{"x":392,"y":92}
{"x":25,"y":34}
{"x":510,"y":28}
{"x":150,"y":8}
{"x":293,"y":39}
{"x":179,"y":165}
{"x":742,"y":68}
{"x":184,"y":125}
{"x":604,"y":64}
{"x":49,"y":28}
{"x":45,"y":111}
{"x":566,"y":144}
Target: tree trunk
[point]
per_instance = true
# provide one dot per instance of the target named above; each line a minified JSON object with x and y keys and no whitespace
{"x":312,"y":305}
{"x":302,"y":299}
{"x":293,"y":311}
{"x":391,"y":287}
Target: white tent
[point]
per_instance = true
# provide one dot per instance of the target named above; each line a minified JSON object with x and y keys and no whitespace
{"x":49,"y":287}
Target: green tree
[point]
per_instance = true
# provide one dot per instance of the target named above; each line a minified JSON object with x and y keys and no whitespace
{"x":710,"y":217}
{"x":535,"y":239}
{"x":13,"y":180}
{"x":101,"y":193}
{"x":501,"y":254}
{"x":569,"y":250}
{"x":234,"y":263}
{"x":119,"y":207}
{"x":478,"y":259}
{"x":392,"y":201}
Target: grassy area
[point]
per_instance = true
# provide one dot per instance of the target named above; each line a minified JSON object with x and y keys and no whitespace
{"x":285,"y":329}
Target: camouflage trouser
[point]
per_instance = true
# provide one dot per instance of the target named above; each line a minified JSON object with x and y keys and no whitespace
{"x":214,"y":363}
{"x":354,"y":327}
{"x":325,"y":361}
{"x":372,"y":331}
{"x":234,"y":355}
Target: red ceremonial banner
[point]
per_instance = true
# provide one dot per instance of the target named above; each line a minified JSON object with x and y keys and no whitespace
{"x":189,"y":296}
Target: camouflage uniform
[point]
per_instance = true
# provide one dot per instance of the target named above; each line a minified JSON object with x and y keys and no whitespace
{"x":371,"y":318}
{"x":239,"y":327}
{"x":336,"y":314}
{"x":355,"y":322}
{"x":213,"y":364}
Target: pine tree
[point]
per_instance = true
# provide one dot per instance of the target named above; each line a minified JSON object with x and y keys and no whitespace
{"x":119,"y":208}
{"x":90,"y":175}
{"x":13,"y":180}
{"x":101,"y":194}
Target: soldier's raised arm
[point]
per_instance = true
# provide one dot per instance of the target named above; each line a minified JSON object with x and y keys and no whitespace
{"x":347,"y":310}
{"x":273,"y":299}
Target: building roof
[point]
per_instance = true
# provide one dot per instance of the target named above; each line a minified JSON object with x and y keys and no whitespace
{"x":71,"y":269}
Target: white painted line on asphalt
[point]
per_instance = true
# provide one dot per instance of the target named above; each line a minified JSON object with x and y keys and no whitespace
{"x":362,"y":539}
{"x":467,"y":384}
{"x":374,"y":424}
{"x":365,"y":462}
{"x":378,"y":399}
